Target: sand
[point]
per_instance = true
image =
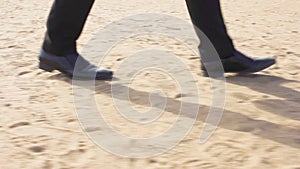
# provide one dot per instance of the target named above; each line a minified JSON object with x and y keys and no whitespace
{"x":261,"y":123}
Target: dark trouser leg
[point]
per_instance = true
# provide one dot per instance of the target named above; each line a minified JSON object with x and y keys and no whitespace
{"x":206,"y":15}
{"x":64,"y":25}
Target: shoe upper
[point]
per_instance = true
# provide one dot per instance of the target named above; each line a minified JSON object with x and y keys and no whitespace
{"x":240,"y":63}
{"x":74,"y":65}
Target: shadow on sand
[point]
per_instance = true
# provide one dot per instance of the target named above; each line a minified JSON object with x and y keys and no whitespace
{"x":232,"y":120}
{"x":287,"y":104}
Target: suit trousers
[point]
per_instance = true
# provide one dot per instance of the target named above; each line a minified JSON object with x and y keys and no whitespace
{"x":67,"y":18}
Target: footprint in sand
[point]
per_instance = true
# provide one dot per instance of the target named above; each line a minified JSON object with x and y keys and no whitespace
{"x":228,"y":153}
{"x":37,"y":149}
{"x":19,"y":124}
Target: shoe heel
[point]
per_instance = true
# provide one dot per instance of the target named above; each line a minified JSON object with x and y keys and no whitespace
{"x":46,"y":67}
{"x":204,"y":73}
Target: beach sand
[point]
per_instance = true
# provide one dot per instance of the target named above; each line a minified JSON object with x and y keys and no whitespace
{"x":260,"y":127}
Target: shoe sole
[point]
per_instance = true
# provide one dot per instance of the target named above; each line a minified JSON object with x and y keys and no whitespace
{"x":246,"y":72}
{"x":49,"y":68}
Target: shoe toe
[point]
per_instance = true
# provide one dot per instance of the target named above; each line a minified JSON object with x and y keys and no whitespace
{"x":103,"y":73}
{"x":261,"y":64}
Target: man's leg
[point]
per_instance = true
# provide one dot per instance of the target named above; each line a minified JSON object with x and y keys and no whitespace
{"x":206,"y":15}
{"x":64,"y":25}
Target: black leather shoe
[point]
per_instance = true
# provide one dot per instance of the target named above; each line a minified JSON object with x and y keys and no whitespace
{"x":66,"y":65}
{"x":240,"y":63}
